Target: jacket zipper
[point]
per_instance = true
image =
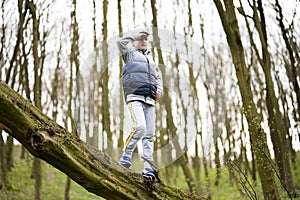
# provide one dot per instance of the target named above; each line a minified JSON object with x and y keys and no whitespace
{"x":149,"y":75}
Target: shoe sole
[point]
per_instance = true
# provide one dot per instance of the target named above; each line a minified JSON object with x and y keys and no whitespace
{"x":125,"y":165}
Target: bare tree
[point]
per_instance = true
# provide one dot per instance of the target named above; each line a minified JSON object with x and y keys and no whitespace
{"x":74,"y":62}
{"x":121,"y":100}
{"x":38,"y":70}
{"x":12,"y":62}
{"x":259,"y":140}
{"x":277,"y":131}
{"x":105,"y":106}
{"x":292,"y":65}
{"x":4,"y":181}
{"x":214,"y":86}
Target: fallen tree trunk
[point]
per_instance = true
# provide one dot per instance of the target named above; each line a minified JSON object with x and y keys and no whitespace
{"x":90,"y":168}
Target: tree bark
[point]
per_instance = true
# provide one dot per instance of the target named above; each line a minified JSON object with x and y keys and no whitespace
{"x":205,"y":167}
{"x":9,"y":153}
{"x":37,"y":165}
{"x":67,"y":188}
{"x":89,"y":167}
{"x":4,"y":182}
{"x":105,"y":106}
{"x":74,"y":61}
{"x":121,"y":100}
{"x":257,"y":134}
{"x":276,"y":124}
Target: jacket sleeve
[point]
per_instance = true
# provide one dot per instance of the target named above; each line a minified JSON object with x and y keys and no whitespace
{"x":123,"y":45}
{"x":159,"y":81}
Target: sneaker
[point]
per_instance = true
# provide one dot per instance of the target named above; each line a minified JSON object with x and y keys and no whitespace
{"x":125,"y":161}
{"x":148,"y":173}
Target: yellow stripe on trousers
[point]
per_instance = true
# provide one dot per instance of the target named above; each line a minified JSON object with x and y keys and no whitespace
{"x":134,"y":124}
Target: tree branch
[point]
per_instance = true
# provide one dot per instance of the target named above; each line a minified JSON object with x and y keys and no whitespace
{"x":87,"y":166}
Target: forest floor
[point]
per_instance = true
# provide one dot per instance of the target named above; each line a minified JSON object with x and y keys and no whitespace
{"x":54,"y":183}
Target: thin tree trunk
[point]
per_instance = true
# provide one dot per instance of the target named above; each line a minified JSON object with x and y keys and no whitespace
{"x":196,"y":160}
{"x":12,"y":61}
{"x":73,"y":62}
{"x":121,"y":100}
{"x":11,"y":78}
{"x":196,"y":165}
{"x":3,"y":37}
{"x":215,"y":120}
{"x":292,"y":64}
{"x":37,"y":175}
{"x":292,"y":53}
{"x":193,"y":81}
{"x":234,"y":166}
{"x":4,"y":181}
{"x":25,"y":82}
{"x":94,"y":94}
{"x":205,"y":167}
{"x":216,"y":114}
{"x":244,"y":151}
{"x":105,"y":109}
{"x":217,"y":163}
{"x":37,"y":168}
{"x":67,"y":188}
{"x":9,"y":153}
{"x":287,"y":123}
{"x":228,"y":153}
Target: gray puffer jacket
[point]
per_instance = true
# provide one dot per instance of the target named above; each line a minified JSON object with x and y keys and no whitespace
{"x":140,"y":79}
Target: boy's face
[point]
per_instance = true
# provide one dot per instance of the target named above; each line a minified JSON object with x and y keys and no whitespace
{"x":142,"y":43}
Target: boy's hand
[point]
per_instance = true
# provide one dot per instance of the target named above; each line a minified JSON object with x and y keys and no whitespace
{"x":157,"y":96}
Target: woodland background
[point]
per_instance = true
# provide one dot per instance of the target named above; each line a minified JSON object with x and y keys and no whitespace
{"x":230,"y":70}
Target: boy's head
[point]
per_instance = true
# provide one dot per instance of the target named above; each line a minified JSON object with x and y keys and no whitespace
{"x":142,"y":43}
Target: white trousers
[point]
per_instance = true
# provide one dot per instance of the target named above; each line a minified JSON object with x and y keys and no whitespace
{"x":143,"y":116}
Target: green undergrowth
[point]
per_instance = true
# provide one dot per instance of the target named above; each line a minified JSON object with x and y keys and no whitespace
{"x":53,"y":186}
{"x":240,"y":187}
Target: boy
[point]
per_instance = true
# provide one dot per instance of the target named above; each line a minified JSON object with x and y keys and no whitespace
{"x":142,"y":87}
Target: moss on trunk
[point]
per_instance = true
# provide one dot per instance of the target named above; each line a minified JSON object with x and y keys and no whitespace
{"x":87,"y":166}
